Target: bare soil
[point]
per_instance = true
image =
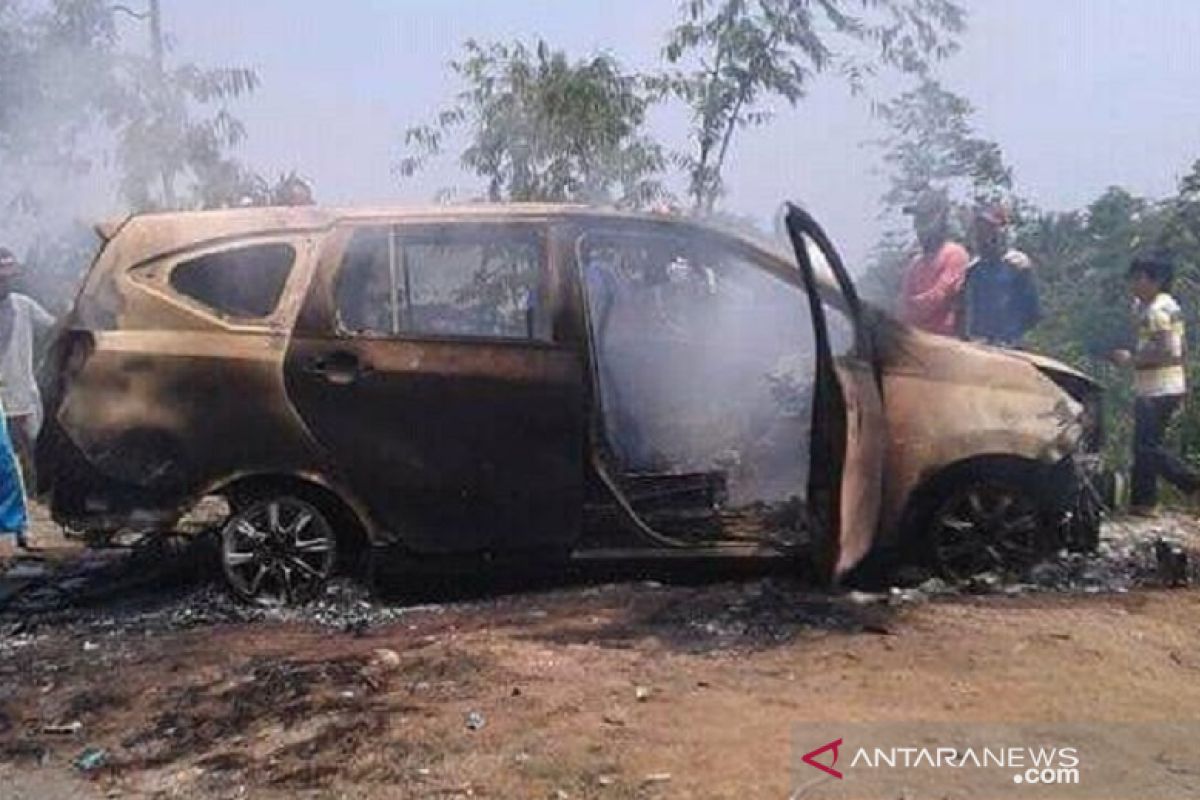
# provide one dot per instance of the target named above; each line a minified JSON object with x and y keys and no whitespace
{"x":644,"y":687}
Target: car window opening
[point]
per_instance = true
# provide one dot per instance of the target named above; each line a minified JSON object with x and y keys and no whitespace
{"x":706,"y":368}
{"x":472,"y":284}
{"x":244,"y":283}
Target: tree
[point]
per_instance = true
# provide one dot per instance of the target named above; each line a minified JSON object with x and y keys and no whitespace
{"x":732,"y":57}
{"x":930,"y":143}
{"x":72,"y":97}
{"x":542,"y":127}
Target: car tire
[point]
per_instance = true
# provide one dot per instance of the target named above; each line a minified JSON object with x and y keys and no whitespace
{"x":986,"y":522}
{"x":277,"y":550}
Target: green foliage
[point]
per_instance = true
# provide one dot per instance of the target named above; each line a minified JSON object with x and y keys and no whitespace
{"x":1083,"y":258}
{"x":541,"y":127}
{"x":731,"y":57}
{"x":929,"y":143}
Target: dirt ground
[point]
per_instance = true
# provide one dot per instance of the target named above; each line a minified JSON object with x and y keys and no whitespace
{"x":645,"y":685}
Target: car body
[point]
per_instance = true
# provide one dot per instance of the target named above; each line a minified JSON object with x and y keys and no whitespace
{"x":517,"y":379}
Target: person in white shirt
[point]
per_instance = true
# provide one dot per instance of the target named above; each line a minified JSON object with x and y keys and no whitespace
{"x":1160,"y":383}
{"x":23,"y":326}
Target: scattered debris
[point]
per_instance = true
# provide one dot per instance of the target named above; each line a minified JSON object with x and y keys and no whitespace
{"x":1172,"y":563}
{"x":475,"y":721}
{"x":63,"y":729}
{"x":91,"y":759}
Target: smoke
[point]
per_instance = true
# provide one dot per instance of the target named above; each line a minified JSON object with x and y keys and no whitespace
{"x":706,"y":366}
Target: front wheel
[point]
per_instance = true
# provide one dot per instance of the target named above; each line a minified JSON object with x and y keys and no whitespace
{"x":277,"y":550}
{"x":987,"y":524}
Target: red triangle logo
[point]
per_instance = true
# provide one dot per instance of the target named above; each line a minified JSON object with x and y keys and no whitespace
{"x":811,"y":758}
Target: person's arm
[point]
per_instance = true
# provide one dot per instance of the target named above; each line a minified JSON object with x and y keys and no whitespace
{"x":966,"y":307}
{"x":43,"y":320}
{"x":1162,"y":348}
{"x":946,"y":287}
{"x":1031,"y":308}
{"x":1159,"y":351}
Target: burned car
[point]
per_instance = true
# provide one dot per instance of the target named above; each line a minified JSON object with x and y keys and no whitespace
{"x":531,"y":380}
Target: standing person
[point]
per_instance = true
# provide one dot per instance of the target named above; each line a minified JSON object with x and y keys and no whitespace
{"x":1160,"y":382}
{"x":14,"y":516}
{"x":930,"y":293}
{"x":23,"y":324}
{"x":1000,"y":299}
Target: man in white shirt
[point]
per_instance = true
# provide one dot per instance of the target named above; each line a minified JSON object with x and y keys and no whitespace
{"x":1160,"y":383}
{"x":23,"y":325}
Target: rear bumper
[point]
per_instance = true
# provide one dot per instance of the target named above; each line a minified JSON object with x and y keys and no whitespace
{"x":86,"y":501}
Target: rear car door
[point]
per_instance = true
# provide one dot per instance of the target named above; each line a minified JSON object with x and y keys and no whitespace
{"x":424,"y":363}
{"x":849,"y":427}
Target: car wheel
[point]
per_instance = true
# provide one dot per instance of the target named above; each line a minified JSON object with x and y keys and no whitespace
{"x":277,"y":550}
{"x":986,"y":525}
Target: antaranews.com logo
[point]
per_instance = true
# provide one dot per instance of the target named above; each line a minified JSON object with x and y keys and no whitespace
{"x":1032,"y":765}
{"x":997,"y":761}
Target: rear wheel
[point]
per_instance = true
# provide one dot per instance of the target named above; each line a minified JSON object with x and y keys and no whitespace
{"x":987,"y":524}
{"x":277,"y":549}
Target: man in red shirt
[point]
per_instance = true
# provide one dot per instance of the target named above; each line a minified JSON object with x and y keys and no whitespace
{"x":929,"y":298}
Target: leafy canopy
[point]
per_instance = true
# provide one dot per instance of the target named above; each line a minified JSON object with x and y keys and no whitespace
{"x":540,"y":126}
{"x":731,"y":57}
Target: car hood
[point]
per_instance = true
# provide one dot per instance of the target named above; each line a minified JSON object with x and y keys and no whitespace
{"x":903,"y":349}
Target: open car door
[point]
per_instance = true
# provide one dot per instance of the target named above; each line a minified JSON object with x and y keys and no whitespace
{"x":848,"y":426}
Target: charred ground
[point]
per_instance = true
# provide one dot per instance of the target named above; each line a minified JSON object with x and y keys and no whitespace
{"x":637,"y":681}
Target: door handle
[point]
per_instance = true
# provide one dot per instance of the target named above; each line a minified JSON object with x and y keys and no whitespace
{"x":339,"y":367}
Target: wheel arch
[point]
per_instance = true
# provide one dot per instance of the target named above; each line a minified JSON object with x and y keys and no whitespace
{"x":924,"y":498}
{"x":352,"y":525}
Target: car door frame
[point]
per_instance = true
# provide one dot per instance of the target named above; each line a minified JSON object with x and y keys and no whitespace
{"x":318,"y":320}
{"x":849,"y":427}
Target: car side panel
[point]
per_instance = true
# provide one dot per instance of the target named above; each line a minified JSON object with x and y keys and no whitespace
{"x":170,"y":403}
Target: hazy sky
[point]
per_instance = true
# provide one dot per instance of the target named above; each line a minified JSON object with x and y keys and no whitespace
{"x":1081,"y":94}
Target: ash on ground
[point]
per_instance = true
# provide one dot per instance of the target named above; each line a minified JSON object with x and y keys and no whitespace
{"x":176,"y":587}
{"x":1153,"y":552}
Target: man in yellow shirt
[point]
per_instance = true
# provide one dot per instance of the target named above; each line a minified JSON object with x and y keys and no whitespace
{"x":1160,"y":382}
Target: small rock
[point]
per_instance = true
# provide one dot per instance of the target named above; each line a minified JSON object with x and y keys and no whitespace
{"x":934,"y":586}
{"x":475,"y":721}
{"x":385,"y":659}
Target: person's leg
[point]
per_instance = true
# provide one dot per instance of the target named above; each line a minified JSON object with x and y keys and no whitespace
{"x":14,"y":517}
{"x":20,"y":431}
{"x":1166,"y":463}
{"x":1143,"y":489}
{"x":1148,"y":430}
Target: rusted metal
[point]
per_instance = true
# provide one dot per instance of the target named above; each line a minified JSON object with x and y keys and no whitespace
{"x":449,"y":445}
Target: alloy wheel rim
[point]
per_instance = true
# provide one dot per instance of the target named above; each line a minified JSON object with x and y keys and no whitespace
{"x":277,"y":551}
{"x":987,"y":527}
